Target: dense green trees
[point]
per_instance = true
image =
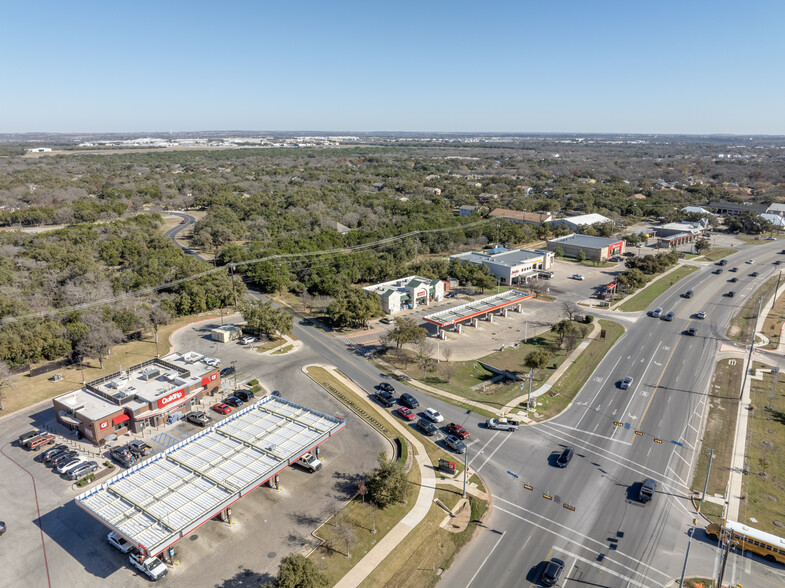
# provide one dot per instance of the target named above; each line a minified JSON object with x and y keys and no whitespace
{"x":354,"y":308}
{"x":297,"y":571}
{"x":386,"y":483}
{"x":265,"y":319}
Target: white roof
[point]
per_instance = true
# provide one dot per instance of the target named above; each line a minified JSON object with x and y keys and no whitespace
{"x":698,"y":209}
{"x":586,"y":219}
{"x":774,"y":219}
{"x":776,"y":207}
{"x":164,"y":498}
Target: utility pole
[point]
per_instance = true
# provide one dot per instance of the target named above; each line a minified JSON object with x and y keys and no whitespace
{"x":777,"y":287}
{"x":691,"y":532}
{"x":529,"y":400}
{"x":726,"y":552}
{"x":234,"y":290}
{"x":706,"y":483}
{"x":752,"y":348}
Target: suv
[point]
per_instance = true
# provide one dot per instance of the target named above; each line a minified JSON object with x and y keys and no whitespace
{"x":386,"y":386}
{"x":244,"y":395}
{"x":247,"y":340}
{"x":669,"y":316}
{"x":309,"y":462}
{"x":409,"y":400}
{"x":552,"y":572}
{"x":139,"y":448}
{"x":722,"y":262}
{"x":565,"y":458}
{"x":69,"y":464}
{"x":457,"y":430}
{"x":731,"y":294}
{"x":385,"y":397}
{"x":657,"y":312}
{"x":233,"y":401}
{"x":646,"y":492}
{"x":51,"y":453}
{"x":427,"y":427}
{"x":83,"y":470}
{"x":454,"y":443}
{"x":198,"y":418}
{"x":625,"y":383}
{"x":63,"y":458}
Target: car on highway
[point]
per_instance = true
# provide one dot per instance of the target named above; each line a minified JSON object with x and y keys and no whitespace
{"x":701,"y":314}
{"x":778,"y":262}
{"x":734,"y":280}
{"x":140,"y":448}
{"x":457,"y":430}
{"x":577,"y":277}
{"x":455,"y":444}
{"x":405,"y":413}
{"x":717,"y":271}
{"x":733,"y":269}
{"x":244,"y":395}
{"x":565,"y":458}
{"x":119,"y":543}
{"x":433,"y":415}
{"x":552,"y":572}
{"x":782,"y":252}
{"x":722,"y":262}
{"x":387,"y":387}
{"x":221,"y":408}
{"x":731,"y":294}
{"x":426,"y":427}
{"x":198,"y":417}
{"x":754,"y":274}
{"x":182,"y":222}
{"x":625,"y":383}
{"x":750,"y":261}
{"x":687,"y":294}
{"x":233,"y":401}
{"x":81,"y":471}
{"x":247,"y":340}
{"x":657,"y":312}
{"x":692,"y":331}
{"x":771,"y":238}
{"x":669,"y":316}
{"x":408,"y":400}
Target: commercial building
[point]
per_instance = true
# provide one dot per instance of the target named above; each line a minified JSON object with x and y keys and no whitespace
{"x":226,"y":333}
{"x":736,"y":208}
{"x":158,"y":502}
{"x":577,"y":223}
{"x":407,"y":293}
{"x":674,"y":234}
{"x":594,"y":248}
{"x":511,"y":267}
{"x":521,"y":217}
{"x":142,"y":396}
{"x":485,"y":308}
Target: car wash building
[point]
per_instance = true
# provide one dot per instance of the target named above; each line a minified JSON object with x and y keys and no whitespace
{"x":143,"y":396}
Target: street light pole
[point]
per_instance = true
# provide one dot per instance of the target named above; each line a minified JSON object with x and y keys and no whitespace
{"x":465,"y":469}
{"x":234,"y":371}
{"x":752,"y":348}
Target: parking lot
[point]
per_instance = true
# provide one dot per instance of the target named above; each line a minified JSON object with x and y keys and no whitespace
{"x":50,"y":540}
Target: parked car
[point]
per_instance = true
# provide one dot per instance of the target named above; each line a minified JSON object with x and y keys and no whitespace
{"x":457,"y":430}
{"x":84,"y":469}
{"x":53,"y":456}
{"x":718,"y":270}
{"x":309,"y":462}
{"x":123,"y":456}
{"x":119,"y":543}
{"x":750,"y":261}
{"x":427,"y":427}
{"x":565,"y":458}
{"x":385,"y":397}
{"x":24,"y":437}
{"x":433,"y":415}
{"x":386,"y":386}
{"x":152,"y":567}
{"x":221,"y":408}
{"x":405,"y":413}
{"x":63,"y":467}
{"x":244,"y":395}
{"x":625,"y":383}
{"x":212,"y":361}
{"x":2,"y":527}
{"x":227,"y":371}
{"x":450,"y":295}
{"x":247,"y":340}
{"x":63,"y":458}
{"x":577,"y":277}
{"x":552,"y":572}
{"x":198,"y":417}
{"x":139,"y":448}
{"x":409,"y":400}
{"x":233,"y":401}
{"x":455,"y":444}
{"x":702,"y":314}
{"x":50,"y":453}
{"x":385,"y":320}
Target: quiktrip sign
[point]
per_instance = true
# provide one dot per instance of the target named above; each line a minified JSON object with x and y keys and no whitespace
{"x":170,"y":398}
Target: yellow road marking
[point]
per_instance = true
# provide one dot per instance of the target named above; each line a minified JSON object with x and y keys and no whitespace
{"x":656,"y":386}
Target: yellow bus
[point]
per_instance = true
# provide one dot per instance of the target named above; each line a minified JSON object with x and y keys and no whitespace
{"x":745,"y":538}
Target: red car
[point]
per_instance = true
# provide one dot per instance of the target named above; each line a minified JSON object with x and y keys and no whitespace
{"x":221,"y":408}
{"x":405,"y":413}
{"x":458,"y":431}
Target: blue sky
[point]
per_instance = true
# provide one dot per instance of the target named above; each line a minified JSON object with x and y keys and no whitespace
{"x":528,"y":66}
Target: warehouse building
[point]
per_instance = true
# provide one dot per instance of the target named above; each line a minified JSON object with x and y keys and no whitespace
{"x":137,"y":398}
{"x":408,"y":292}
{"x":511,"y":267}
{"x":594,"y":248}
{"x":580,"y":222}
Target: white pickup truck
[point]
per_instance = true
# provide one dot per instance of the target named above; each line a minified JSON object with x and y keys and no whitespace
{"x":502,"y":424}
{"x":152,"y":567}
{"x":309,"y":462}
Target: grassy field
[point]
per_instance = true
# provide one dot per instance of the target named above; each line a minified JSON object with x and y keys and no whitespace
{"x":428,"y":549}
{"x":743,"y":323}
{"x":653,"y":290}
{"x":578,"y":373}
{"x":717,"y":254}
{"x":774,"y":319}
{"x":466,"y":374}
{"x":28,"y":391}
{"x":723,"y":406}
{"x":764,"y":485}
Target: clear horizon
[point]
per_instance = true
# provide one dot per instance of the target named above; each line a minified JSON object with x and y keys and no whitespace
{"x":695,"y":68}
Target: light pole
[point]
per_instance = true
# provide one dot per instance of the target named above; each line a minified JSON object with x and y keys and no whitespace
{"x":234,"y":372}
{"x":465,"y":469}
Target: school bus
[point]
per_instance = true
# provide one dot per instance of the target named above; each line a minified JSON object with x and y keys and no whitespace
{"x":745,"y":538}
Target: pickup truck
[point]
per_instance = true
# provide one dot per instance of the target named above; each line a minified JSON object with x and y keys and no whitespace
{"x":502,"y":424}
{"x":309,"y":462}
{"x":152,"y":567}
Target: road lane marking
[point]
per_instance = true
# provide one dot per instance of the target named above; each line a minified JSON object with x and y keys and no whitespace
{"x":656,"y":386}
{"x":599,"y":389}
{"x":554,"y":424}
{"x":487,"y":557}
{"x":605,"y":570}
{"x":634,"y":392}
{"x":574,"y":533}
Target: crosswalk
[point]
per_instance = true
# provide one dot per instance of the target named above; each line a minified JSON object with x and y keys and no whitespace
{"x":166,"y":440}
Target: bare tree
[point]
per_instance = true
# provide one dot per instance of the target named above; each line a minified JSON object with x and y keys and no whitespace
{"x":447,"y":368}
{"x":344,"y":532}
{"x":385,"y":340}
{"x":102,"y":336}
{"x":570,"y":310}
{"x":6,"y":382}
{"x":447,"y":353}
{"x":362,"y":489}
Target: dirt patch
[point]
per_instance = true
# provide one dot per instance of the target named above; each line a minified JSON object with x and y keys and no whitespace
{"x":462,"y":514}
{"x":770,"y":498}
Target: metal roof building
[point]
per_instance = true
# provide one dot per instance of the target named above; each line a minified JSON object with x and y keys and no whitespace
{"x":158,"y":502}
{"x":470,"y":310}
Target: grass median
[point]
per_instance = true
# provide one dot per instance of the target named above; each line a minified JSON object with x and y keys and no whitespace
{"x":643,"y":298}
{"x":743,"y":323}
{"x":717,"y":254}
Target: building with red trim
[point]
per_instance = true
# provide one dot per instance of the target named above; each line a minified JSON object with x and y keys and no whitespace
{"x":594,"y":248}
{"x":142,"y":396}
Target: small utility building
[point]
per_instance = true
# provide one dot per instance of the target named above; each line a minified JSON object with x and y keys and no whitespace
{"x":594,"y":248}
{"x":226,"y":333}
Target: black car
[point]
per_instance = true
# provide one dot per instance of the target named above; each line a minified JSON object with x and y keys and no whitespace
{"x":63,"y":457}
{"x":386,"y":398}
{"x":53,"y":456}
{"x":227,"y":371}
{"x":386,"y":387}
{"x":733,"y":269}
{"x":731,"y":294}
{"x":692,"y":331}
{"x":409,"y":400}
{"x":244,"y":395}
{"x":2,"y":527}
{"x":426,"y":427}
{"x":565,"y":458}
{"x":734,"y":280}
{"x":51,"y":452}
{"x":688,"y":294}
{"x":552,"y":572}
{"x":233,"y":401}
{"x":754,"y":274}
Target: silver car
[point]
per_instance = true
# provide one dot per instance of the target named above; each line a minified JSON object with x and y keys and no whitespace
{"x":626,"y":383}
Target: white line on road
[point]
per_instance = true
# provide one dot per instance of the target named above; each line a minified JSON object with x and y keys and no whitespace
{"x":553,"y":424}
{"x":481,"y":451}
{"x":599,"y":389}
{"x":489,"y":555}
{"x":632,"y":396}
{"x":606,"y":570}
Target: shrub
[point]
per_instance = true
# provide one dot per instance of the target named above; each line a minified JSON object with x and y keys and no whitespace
{"x":256,"y":389}
{"x":588,"y":319}
{"x":253,"y":382}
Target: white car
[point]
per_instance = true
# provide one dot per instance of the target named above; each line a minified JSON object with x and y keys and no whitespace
{"x":119,"y":543}
{"x":702,"y":314}
{"x":69,"y":464}
{"x":577,"y":277}
{"x":212,"y":361}
{"x":433,"y":414}
{"x":750,"y":261}
{"x":247,"y":340}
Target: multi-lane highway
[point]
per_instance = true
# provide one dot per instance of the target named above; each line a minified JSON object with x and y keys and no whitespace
{"x":611,"y":539}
